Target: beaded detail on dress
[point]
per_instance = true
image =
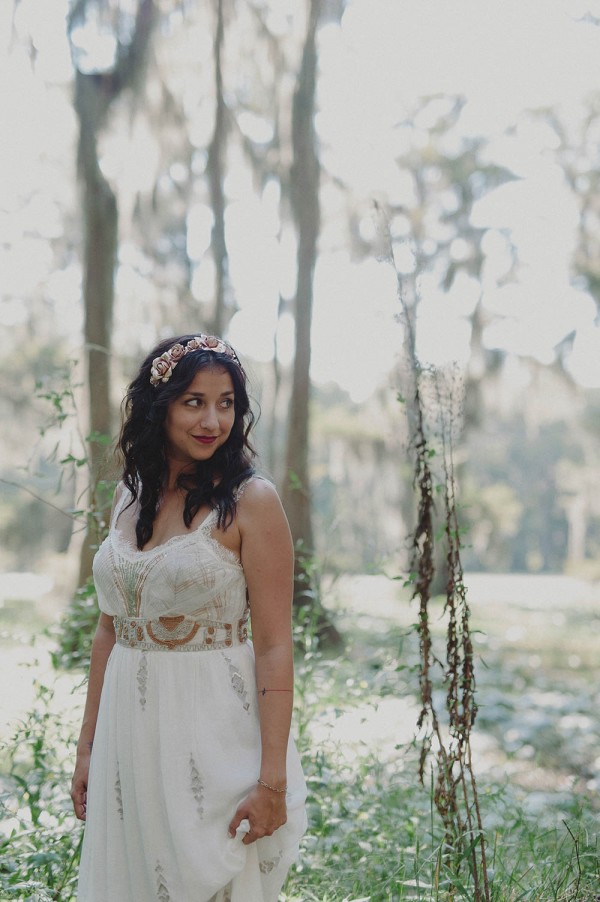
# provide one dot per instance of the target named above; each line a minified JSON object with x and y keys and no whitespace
{"x":179,"y":633}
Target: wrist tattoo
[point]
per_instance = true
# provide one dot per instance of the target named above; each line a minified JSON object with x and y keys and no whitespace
{"x":264,"y":691}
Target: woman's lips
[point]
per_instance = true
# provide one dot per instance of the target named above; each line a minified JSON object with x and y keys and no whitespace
{"x":205,"y":439}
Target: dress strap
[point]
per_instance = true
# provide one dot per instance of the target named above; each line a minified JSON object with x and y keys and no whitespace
{"x":242,"y":486}
{"x":124,"y":494}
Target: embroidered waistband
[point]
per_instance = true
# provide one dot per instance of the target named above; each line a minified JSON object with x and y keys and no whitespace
{"x":179,"y":633}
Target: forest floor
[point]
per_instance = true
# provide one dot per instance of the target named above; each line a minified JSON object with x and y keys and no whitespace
{"x":537,"y":732}
{"x":537,"y":643}
{"x":536,"y":640}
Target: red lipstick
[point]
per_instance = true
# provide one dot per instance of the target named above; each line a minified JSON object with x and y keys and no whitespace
{"x":205,"y":439}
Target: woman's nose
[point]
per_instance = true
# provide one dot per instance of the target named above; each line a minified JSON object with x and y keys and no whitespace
{"x":209,"y":419}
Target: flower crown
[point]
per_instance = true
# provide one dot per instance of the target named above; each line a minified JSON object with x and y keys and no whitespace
{"x":163,"y":366}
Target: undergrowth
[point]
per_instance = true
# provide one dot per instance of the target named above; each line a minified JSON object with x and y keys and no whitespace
{"x":373,"y":837}
{"x":373,"y":831}
{"x":39,"y":837}
{"x":374,"y":834}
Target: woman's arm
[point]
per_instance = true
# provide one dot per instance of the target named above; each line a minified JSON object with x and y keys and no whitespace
{"x":268,"y":561}
{"x":104,"y":639}
{"x":102,"y":645}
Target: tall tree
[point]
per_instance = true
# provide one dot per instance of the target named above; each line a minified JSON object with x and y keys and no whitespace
{"x":96,"y":90}
{"x":304,"y":198}
{"x":215,"y":169}
{"x":433,"y":223}
{"x":577,"y":155}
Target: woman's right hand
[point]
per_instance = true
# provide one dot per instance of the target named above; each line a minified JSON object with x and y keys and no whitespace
{"x":79,"y":785}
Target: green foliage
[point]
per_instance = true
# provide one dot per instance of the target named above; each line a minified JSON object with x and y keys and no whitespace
{"x":53,"y":479}
{"x":371,"y":837}
{"x":295,"y":482}
{"x":523,"y":483}
{"x":40,"y":841}
{"x":372,"y":833}
{"x":59,"y":392}
{"x":311,"y":618}
{"x":75,"y":631}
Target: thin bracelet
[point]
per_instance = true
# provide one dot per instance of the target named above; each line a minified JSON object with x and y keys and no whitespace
{"x":272,"y":788}
{"x":264,"y":691}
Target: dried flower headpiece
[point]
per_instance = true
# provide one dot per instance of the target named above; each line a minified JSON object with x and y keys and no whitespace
{"x":163,"y":366}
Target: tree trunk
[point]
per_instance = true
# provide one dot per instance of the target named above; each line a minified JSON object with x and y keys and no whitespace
{"x":100,"y":250}
{"x":94,"y":94}
{"x":215,"y":170}
{"x":304,"y":198}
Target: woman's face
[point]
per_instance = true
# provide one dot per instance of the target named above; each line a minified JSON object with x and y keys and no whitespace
{"x":201,"y":419}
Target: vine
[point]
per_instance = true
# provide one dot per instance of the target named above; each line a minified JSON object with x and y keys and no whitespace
{"x":445,"y":735}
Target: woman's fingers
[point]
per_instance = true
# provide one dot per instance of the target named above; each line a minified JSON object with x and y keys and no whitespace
{"x":240,"y":819}
{"x":79,"y":799}
{"x":79,"y":786}
{"x":256,"y":816}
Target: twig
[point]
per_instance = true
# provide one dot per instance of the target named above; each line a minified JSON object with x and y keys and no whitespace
{"x":33,"y":494}
{"x":576,"y":844}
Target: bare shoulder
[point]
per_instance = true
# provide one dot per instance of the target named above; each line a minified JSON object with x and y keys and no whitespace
{"x":259,"y":497}
{"x":260,"y":489}
{"x":260,"y":506}
{"x":266,"y":546}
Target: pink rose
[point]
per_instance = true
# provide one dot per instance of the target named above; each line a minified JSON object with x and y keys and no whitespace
{"x":161,"y":367}
{"x":177,"y":352}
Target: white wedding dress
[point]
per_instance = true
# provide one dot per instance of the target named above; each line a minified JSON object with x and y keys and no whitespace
{"x":177,"y":742}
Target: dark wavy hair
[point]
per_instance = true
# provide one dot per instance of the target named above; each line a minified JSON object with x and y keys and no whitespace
{"x":143,"y":444}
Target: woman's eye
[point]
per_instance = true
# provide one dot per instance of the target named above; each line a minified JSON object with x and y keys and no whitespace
{"x":227,"y":403}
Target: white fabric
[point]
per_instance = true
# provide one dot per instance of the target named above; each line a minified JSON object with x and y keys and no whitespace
{"x":177,"y":742}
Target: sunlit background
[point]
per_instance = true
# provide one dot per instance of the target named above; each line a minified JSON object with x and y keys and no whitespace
{"x":515,"y":67}
{"x":477,"y":147}
{"x":479,"y":143}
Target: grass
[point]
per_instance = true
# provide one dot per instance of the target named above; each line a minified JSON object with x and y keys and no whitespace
{"x":373,"y":835}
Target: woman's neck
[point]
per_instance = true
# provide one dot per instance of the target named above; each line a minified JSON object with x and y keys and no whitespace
{"x":175,"y":472}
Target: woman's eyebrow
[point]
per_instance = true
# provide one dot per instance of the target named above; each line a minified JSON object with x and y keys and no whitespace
{"x":201,"y":394}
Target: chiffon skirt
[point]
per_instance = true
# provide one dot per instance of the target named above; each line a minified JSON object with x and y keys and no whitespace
{"x":177,"y":747}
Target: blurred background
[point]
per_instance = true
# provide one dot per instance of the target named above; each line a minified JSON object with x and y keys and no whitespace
{"x":241,"y":168}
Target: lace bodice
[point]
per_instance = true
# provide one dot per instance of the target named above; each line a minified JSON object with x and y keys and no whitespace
{"x":191,"y":574}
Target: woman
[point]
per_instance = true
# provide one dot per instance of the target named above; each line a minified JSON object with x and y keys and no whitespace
{"x":195,"y":790}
